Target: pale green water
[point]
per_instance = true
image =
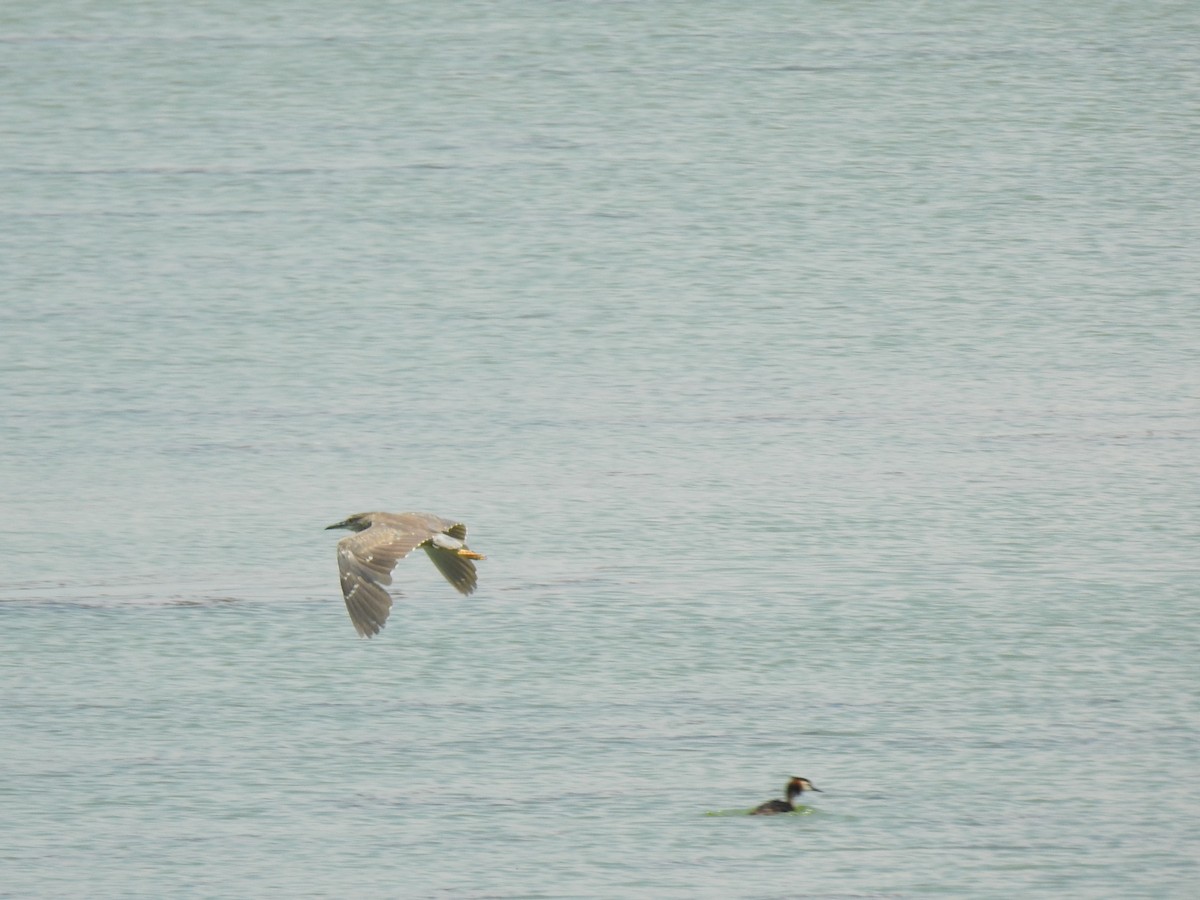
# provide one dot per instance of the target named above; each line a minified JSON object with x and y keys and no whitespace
{"x":821,"y":380}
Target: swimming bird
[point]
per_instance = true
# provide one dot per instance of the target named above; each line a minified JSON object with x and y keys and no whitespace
{"x":367,"y":557}
{"x":795,"y":788}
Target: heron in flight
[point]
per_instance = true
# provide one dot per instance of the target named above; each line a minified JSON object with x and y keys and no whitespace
{"x":367,"y":557}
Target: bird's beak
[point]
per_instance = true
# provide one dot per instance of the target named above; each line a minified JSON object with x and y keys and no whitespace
{"x":813,"y":787}
{"x":341,"y":524}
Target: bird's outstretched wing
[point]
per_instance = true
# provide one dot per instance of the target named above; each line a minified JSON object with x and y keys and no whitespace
{"x":459,"y":570}
{"x":366,"y":560}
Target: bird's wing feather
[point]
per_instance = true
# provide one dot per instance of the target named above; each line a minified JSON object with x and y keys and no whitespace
{"x":365,"y":561}
{"x":457,"y":530}
{"x":458,"y":570}
{"x":369,"y":606}
{"x":374,"y":553}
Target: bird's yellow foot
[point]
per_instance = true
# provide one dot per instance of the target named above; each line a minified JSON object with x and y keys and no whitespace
{"x":470,"y":554}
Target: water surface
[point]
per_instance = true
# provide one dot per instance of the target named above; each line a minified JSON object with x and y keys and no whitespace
{"x":819,"y":379}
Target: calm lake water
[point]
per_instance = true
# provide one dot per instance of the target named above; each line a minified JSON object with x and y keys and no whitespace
{"x":821,"y":379}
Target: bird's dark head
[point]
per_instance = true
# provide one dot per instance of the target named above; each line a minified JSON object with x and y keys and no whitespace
{"x":798,"y":786}
{"x":357,"y":522}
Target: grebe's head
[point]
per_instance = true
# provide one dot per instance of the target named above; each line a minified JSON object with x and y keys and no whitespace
{"x":798,"y":786}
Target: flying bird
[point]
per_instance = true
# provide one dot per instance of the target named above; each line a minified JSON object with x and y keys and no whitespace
{"x":367,"y":557}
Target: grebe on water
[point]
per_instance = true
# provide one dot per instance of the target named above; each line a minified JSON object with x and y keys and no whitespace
{"x":795,"y":788}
